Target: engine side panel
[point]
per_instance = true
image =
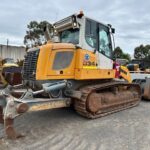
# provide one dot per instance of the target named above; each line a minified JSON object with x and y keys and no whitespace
{"x":69,"y":63}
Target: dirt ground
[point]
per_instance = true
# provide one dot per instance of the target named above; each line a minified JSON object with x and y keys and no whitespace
{"x":64,"y":129}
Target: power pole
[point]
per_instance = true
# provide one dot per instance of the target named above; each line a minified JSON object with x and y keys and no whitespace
{"x":7,"y":43}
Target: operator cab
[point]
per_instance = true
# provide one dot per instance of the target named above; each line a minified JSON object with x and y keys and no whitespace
{"x":88,"y":34}
{"x":84,"y":32}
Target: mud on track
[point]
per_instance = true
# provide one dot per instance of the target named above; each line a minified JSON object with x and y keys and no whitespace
{"x":64,"y":129}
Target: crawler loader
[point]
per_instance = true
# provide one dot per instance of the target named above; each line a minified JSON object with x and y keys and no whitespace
{"x":74,"y":68}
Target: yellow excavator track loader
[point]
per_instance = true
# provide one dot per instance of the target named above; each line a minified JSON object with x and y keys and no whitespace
{"x":75,"y":67}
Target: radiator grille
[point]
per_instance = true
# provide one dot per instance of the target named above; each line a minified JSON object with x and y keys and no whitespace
{"x":29,"y":66}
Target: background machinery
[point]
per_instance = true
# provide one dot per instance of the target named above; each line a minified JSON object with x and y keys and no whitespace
{"x":10,"y":72}
{"x":74,"y":67}
{"x":140,"y":74}
{"x":2,"y":80}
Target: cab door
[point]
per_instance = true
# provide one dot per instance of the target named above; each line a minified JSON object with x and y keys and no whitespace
{"x":97,"y":38}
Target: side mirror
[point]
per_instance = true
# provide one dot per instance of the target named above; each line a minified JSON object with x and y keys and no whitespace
{"x":113,"y":30}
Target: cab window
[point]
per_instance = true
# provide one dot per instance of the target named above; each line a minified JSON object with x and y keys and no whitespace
{"x":91,"y":33}
{"x":105,"y":41}
{"x":70,"y":36}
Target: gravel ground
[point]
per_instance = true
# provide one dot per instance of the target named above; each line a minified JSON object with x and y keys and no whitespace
{"x":64,"y":129}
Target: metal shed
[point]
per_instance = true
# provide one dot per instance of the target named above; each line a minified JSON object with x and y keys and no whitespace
{"x":15,"y":52}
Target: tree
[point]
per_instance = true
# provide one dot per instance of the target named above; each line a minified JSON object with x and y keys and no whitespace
{"x":126,"y":56}
{"x":35,"y":34}
{"x":118,"y":53}
{"x":142,"y":52}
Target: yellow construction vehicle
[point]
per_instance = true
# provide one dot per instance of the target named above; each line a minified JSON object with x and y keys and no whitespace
{"x":140,"y":74}
{"x":10,"y":72}
{"x":2,"y":80}
{"x":75,"y":67}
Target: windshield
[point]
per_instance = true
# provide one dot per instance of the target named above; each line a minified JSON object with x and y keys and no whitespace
{"x":70,"y":36}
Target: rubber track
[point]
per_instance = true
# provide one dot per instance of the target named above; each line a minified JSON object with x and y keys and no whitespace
{"x":80,"y":104}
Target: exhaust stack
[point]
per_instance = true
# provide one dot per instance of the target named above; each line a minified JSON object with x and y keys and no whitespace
{"x":47,"y":32}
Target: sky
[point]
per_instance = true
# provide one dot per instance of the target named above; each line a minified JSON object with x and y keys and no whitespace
{"x":130,"y":18}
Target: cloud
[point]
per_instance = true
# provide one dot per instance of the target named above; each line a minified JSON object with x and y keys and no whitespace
{"x":130,"y":18}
